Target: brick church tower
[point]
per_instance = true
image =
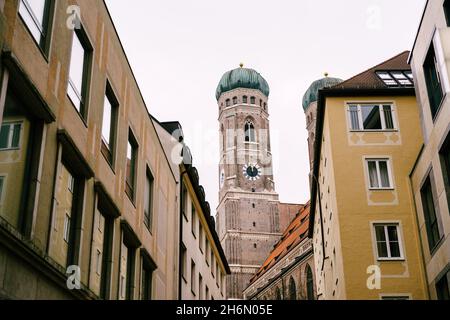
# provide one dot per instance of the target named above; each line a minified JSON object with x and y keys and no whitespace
{"x":248,"y":215}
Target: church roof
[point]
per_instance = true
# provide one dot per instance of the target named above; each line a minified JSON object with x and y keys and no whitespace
{"x":242,"y":78}
{"x":292,"y":236}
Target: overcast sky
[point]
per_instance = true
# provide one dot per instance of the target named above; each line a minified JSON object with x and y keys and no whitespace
{"x":179,"y":50}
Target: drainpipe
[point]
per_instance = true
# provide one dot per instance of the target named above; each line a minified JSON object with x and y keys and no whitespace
{"x":422,"y":257}
{"x":321,"y":221}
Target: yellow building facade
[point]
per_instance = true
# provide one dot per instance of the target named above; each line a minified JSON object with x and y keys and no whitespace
{"x":366,"y":140}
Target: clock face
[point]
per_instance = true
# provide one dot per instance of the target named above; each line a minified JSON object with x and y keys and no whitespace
{"x":252,"y":172}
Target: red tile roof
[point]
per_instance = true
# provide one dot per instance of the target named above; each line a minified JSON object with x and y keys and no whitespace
{"x":294,"y":234}
{"x":369,"y":79}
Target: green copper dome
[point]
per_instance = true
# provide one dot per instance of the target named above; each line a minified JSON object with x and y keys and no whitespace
{"x":242,"y":78}
{"x":312,"y":94}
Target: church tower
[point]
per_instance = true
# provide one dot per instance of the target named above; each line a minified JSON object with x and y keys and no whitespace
{"x":248,"y":221}
{"x":309,"y":104}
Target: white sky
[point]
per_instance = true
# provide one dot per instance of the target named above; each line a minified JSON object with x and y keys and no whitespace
{"x":179,"y":49}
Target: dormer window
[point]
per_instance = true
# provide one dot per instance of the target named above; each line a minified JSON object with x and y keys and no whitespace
{"x":396,"y":78}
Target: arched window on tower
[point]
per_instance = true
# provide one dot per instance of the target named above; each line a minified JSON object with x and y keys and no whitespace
{"x":244,"y":99}
{"x":228,"y":102}
{"x":235,"y":101}
{"x":292,"y":289}
{"x":252,"y":100}
{"x":250,"y":132}
{"x":309,"y":283}
{"x":265,"y":106}
{"x":260,"y":102}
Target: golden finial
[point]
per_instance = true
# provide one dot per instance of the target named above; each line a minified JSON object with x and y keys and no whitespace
{"x":326,"y":74}
{"x":241,"y":65}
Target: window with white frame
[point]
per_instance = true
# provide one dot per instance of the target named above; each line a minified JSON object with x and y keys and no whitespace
{"x":379,"y":174}
{"x":371,"y":117}
{"x":397,"y":78}
{"x":388,"y":242}
{"x":10,"y":135}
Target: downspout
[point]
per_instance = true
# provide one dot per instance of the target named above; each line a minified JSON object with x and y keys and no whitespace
{"x":321,"y":222}
{"x":416,"y":216}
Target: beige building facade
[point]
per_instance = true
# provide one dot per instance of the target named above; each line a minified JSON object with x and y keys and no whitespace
{"x":430,"y":179}
{"x":363,"y":225}
{"x":88,"y":198}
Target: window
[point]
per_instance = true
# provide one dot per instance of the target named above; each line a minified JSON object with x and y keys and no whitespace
{"x":104,"y":242}
{"x":445,"y":161}
{"x":278,"y":294}
{"x":184,"y":195}
{"x":131,"y":166}
{"x":371,"y":117}
{"x":2,"y":182}
{"x":443,"y":288}
{"x":193,"y":220}
{"x":207,"y":253}
{"x":148,"y":267}
{"x":79,"y":69}
{"x":429,"y":211}
{"x":379,"y":174}
{"x":10,"y":136}
{"x":447,"y":11}
{"x":433,"y":81}
{"x":110,"y":107}
{"x":228,"y":102}
{"x":395,"y":298}
{"x":193,"y":276}
{"x":235,"y":101}
{"x":292,"y":289}
{"x":183,"y":262}
{"x":200,"y":287}
{"x":127,"y":262}
{"x":99,"y":262}
{"x":250,"y":132}
{"x":201,"y":237}
{"x":309,"y":283}
{"x":213,"y":265}
{"x":396,"y":78}
{"x":218,"y":275}
{"x":148,"y":201}
{"x":245,"y":99}
{"x":35,"y":14}
{"x":388,"y":242}
{"x":260,"y":102}
{"x":252,"y":100}
{"x":66,"y":233}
